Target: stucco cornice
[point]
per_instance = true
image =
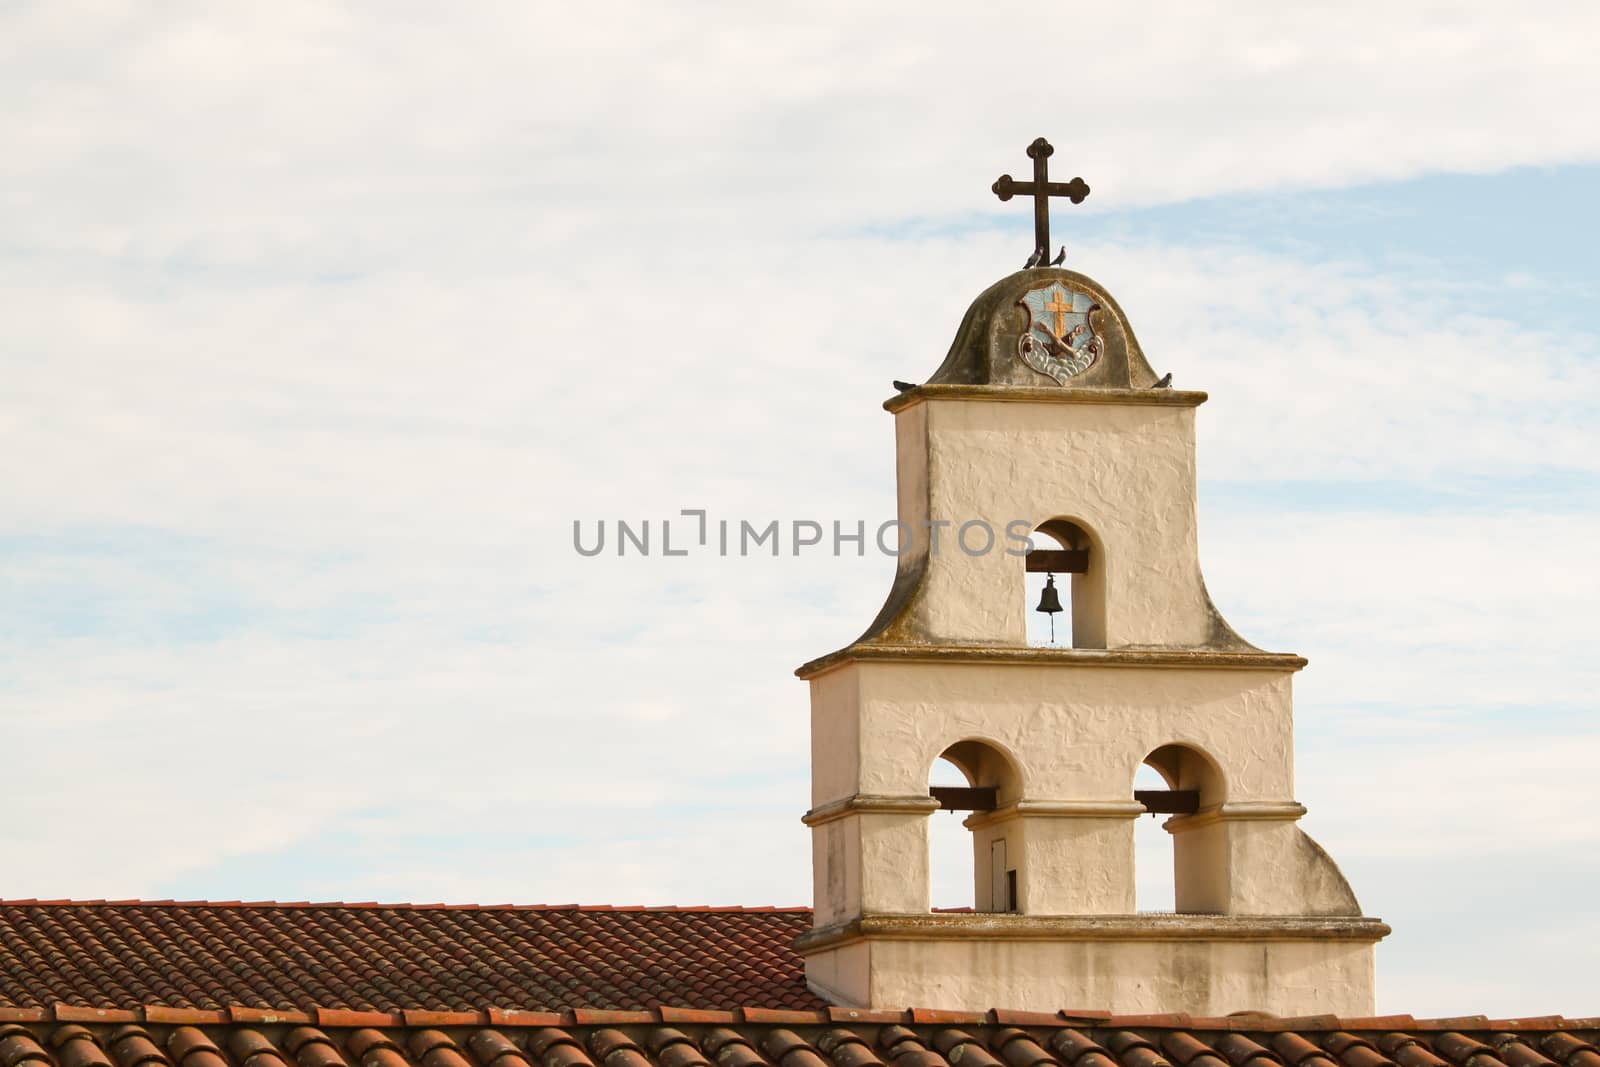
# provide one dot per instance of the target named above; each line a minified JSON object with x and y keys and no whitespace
{"x":1239,"y":811}
{"x":870,"y":804}
{"x":1174,"y":398}
{"x":1057,"y":809}
{"x":980,"y":927}
{"x":1194,"y":659}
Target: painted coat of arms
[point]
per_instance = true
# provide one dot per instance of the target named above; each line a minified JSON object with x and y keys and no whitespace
{"x":1061,"y":340}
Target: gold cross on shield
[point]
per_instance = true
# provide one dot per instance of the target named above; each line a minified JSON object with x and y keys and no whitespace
{"x":1060,"y":304}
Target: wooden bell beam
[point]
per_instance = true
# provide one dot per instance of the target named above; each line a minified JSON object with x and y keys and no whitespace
{"x":983,"y":798}
{"x":1169,"y":801}
{"x":1057,"y":560}
{"x":964,"y":798}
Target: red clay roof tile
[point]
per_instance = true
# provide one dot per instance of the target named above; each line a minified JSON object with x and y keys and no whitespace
{"x":18,"y":1047}
{"x":1243,"y":1052}
{"x":1515,"y":1052}
{"x":1184,"y":1049}
{"x":673,"y":1048}
{"x":1019,"y":1049}
{"x":847,"y":1048}
{"x":494,"y":1049}
{"x":960,"y":1046}
{"x":515,"y":1017}
{"x":729,"y":1048}
{"x":76,"y":1014}
{"x":1408,"y":1050}
{"x":131,"y":1047}
{"x":673,"y":1014}
{"x":1297,"y":1051}
{"x":191,"y":1047}
{"x":75,"y":1046}
{"x":1131,"y":1049}
{"x":904,"y":1047}
{"x":839,"y":1014}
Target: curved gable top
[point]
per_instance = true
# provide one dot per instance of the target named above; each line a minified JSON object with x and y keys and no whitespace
{"x":1046,"y":328}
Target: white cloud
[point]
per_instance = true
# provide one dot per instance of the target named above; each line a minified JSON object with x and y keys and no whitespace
{"x":211,"y":137}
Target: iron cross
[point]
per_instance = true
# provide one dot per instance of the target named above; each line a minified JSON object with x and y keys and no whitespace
{"x":1041,"y":189}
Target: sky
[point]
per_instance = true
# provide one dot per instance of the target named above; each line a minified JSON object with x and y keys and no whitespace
{"x":322,"y":324}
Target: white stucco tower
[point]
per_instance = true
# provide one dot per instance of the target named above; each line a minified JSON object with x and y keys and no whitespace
{"x":1046,"y":414}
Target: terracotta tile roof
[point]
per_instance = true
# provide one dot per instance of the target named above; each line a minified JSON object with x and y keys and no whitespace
{"x":667,"y":1037}
{"x":171,"y":984}
{"x":388,"y":958}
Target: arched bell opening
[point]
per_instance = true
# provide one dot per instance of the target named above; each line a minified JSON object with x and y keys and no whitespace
{"x":974,"y":858}
{"x":1154,"y":863}
{"x":1065,"y":587}
{"x":1179,"y":866}
{"x":951,"y":863}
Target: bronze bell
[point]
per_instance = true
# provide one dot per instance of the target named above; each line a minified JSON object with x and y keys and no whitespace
{"x":1049,"y":599}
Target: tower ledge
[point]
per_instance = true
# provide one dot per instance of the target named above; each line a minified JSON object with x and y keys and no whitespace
{"x":1177,"y":398}
{"x":1000,"y":655}
{"x":1147,"y":927}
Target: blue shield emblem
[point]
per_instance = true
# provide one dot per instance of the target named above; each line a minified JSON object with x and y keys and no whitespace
{"x":1061,"y":341}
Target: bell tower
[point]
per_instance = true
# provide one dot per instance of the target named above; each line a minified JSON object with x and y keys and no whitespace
{"x":1045,"y":419}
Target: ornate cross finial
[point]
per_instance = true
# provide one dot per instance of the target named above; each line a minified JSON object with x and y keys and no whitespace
{"x":1041,"y":189}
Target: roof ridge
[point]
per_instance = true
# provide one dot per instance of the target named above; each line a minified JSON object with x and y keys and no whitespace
{"x":1256,"y":1022}
{"x":370,"y":905}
